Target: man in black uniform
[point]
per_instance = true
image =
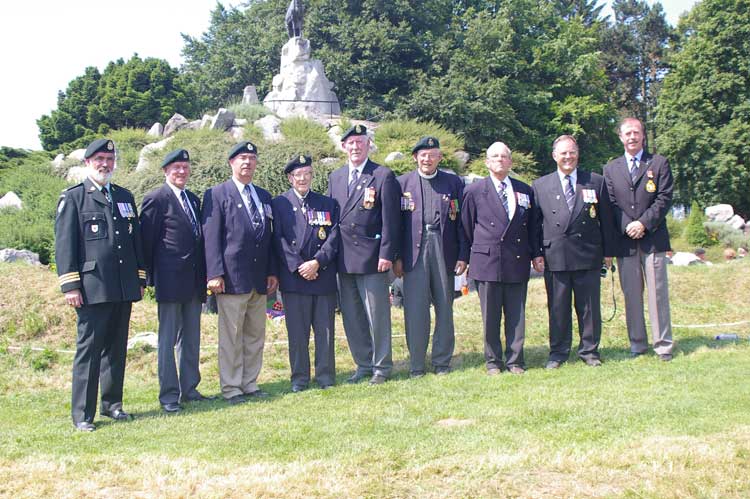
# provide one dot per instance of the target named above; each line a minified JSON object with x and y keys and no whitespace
{"x":100,"y":268}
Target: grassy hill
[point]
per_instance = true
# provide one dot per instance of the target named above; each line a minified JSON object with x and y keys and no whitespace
{"x":632,"y":428}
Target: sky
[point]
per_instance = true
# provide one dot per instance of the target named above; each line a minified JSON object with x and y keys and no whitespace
{"x":47,"y":43}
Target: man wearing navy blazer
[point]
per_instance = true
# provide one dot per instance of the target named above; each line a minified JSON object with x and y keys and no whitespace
{"x":499,"y":222}
{"x":640,"y":188}
{"x":176,"y":267}
{"x":575,"y":213}
{"x":368,"y":195}
{"x":306,"y":239}
{"x":237,"y":226}
{"x":433,"y":251}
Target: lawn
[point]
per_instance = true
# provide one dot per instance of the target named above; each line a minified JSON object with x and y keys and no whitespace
{"x":631,"y":428}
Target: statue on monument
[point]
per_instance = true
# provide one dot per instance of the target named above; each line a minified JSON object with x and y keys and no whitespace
{"x":293,"y":18}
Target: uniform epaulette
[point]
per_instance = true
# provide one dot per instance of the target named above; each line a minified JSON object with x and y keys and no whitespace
{"x":80,"y":184}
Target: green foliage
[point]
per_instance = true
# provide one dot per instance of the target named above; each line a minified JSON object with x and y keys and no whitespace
{"x":129,"y":142}
{"x":727,"y":236}
{"x":249,"y":112}
{"x":675,"y":228}
{"x":10,"y":157}
{"x":704,"y":106}
{"x":135,"y":93}
{"x":524,"y":168}
{"x":42,"y":361}
{"x":695,"y":230}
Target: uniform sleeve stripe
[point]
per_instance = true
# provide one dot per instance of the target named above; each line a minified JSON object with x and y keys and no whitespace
{"x":69,"y":280}
{"x":68,"y":275}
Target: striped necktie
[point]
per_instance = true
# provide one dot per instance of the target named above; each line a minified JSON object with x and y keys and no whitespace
{"x":570,"y":194}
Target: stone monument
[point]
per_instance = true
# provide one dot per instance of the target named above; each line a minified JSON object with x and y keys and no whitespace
{"x":301,"y":87}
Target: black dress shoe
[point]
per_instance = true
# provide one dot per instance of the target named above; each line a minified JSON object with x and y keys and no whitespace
{"x":377,"y":379}
{"x":666,"y":357}
{"x":326,"y":386}
{"x":493,"y":371}
{"x":85,"y":426}
{"x":357,"y":377}
{"x":592,"y":362}
{"x":260,"y":394}
{"x":117,"y":415}
{"x":553,"y":364}
{"x":516,"y":370}
{"x":635,"y":355}
{"x":237,"y":399}
{"x":442,"y":371}
{"x":171,"y":407}
{"x":416,"y":374}
{"x":196,"y":398}
{"x":298,"y":388}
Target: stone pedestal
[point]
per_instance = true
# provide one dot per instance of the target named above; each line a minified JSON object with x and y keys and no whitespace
{"x":301,"y":87}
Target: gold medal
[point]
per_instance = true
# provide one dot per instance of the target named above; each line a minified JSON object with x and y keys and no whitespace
{"x":592,"y":211}
{"x":130,"y":228}
{"x":321,"y":233}
{"x":650,"y":186}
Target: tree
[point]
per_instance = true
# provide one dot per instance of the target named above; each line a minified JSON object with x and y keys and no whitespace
{"x":704,"y":106}
{"x":695,"y":230}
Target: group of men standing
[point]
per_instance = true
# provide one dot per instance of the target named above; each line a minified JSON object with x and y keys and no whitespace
{"x":241,"y":244}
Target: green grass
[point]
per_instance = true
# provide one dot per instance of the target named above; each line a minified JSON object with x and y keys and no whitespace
{"x":632,"y":428}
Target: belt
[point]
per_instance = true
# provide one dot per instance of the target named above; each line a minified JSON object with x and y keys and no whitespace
{"x":432,"y":227}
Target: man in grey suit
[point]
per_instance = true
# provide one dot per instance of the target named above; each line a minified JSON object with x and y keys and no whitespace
{"x":368,"y":195}
{"x":176,"y":267}
{"x":575,"y":213}
{"x":640,"y":188}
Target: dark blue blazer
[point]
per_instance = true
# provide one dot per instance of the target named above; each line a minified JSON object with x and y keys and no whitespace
{"x":174,"y":257}
{"x":366,"y":233}
{"x":501,"y":249}
{"x":232,"y":250}
{"x":577,"y":240}
{"x":455,"y":245}
{"x":297,"y":241}
{"x":632,"y":201}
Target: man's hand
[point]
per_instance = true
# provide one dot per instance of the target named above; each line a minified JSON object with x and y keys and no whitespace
{"x":272,"y":283}
{"x":384,"y":265}
{"x":538,"y":263}
{"x":460,"y":267}
{"x":216,"y":285}
{"x":635,"y":230}
{"x":398,"y":268}
{"x":75,"y":299}
{"x":309,"y":269}
{"x":142,"y":290}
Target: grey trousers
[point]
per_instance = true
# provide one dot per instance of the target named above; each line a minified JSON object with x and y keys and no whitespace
{"x":366,"y":310}
{"x":429,"y":282}
{"x":651,"y":268}
{"x":496,"y":298}
{"x":304,"y":312}
{"x":180,"y":330}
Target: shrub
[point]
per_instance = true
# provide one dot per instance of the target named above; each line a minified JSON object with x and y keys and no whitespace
{"x":726,"y":235}
{"x":41,"y":361}
{"x":129,"y":142}
{"x":249,"y":112}
{"x":695,"y":232}
{"x":524,"y":167}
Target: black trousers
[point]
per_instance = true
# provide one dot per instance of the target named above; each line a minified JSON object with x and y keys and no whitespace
{"x":496,"y":299}
{"x":101,"y":348}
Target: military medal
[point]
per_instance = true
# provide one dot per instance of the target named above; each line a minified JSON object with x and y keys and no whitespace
{"x":369,"y":198}
{"x":592,"y":211}
{"x":321,"y":233}
{"x":407,"y":203}
{"x":453,"y":209}
{"x":130,"y":228}
{"x":126,"y":210}
{"x":650,"y":185}
{"x":523,"y":200}
{"x":589,"y":196}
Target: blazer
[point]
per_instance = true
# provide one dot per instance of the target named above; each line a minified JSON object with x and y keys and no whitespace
{"x":577,"y":240}
{"x":501,"y":249}
{"x":369,"y":225}
{"x":454,"y":243}
{"x":232,"y":249}
{"x":298,"y":239}
{"x":98,"y":246}
{"x":174,"y":257}
{"x":637,"y":201}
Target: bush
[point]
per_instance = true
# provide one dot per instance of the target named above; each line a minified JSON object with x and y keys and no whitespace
{"x":129,"y":142}
{"x":726,"y":235}
{"x":249,"y":112}
{"x":695,"y":231}
{"x":676,"y":228}
{"x":524,"y":167}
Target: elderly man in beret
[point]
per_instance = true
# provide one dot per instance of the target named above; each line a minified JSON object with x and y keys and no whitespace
{"x":101,"y":271}
{"x":237,"y":227}
{"x":433,"y":251}
{"x":368,"y":195}
{"x":306,"y":238}
{"x":176,"y":267}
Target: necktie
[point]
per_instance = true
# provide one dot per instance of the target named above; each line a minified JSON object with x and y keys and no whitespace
{"x":105,"y":191}
{"x":570,"y":195}
{"x":504,"y":197}
{"x":253,"y":210}
{"x":634,"y":170}
{"x":353,"y":182}
{"x":189,"y":213}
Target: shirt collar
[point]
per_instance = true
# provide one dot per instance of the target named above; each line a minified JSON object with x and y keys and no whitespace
{"x":573,"y":176}
{"x":637,"y":156}
{"x":177,"y":191}
{"x":359,"y":167}
{"x":497,"y":182}
{"x":241,"y":186}
{"x":99,"y":187}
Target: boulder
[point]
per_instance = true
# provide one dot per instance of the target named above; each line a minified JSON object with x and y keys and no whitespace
{"x":462,"y":157}
{"x":683,"y":258}
{"x":206,"y":121}
{"x":335,"y":133}
{"x":736,"y":222}
{"x":156,"y":130}
{"x":270,"y":126}
{"x":147,"y":149}
{"x":223,"y":120}
{"x":148,"y":339}
{"x":471,"y":177}
{"x":194,"y":125}
{"x":240,"y":122}
{"x":11,"y":200}
{"x":719,"y":212}
{"x":77,"y":154}
{"x":76,"y":174}
{"x":393,"y":156}
{"x":329,"y":161}
{"x":176,"y":122}
{"x":10,"y":255}
{"x":237,"y":133}
{"x":58,"y":161}
{"x":249,"y":95}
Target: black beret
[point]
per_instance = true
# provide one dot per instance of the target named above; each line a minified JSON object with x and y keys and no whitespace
{"x":355,"y":130}
{"x":99,"y":145}
{"x":426,"y":143}
{"x":243,"y":148}
{"x":176,"y":155}
{"x":297,"y":162}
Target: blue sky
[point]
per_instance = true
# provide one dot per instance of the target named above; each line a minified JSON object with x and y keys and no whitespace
{"x":45,"y":44}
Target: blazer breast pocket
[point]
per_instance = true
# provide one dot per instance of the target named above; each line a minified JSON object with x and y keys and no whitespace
{"x":94,"y":226}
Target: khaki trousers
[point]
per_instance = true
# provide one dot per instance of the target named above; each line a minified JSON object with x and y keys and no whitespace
{"x":242,"y":333}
